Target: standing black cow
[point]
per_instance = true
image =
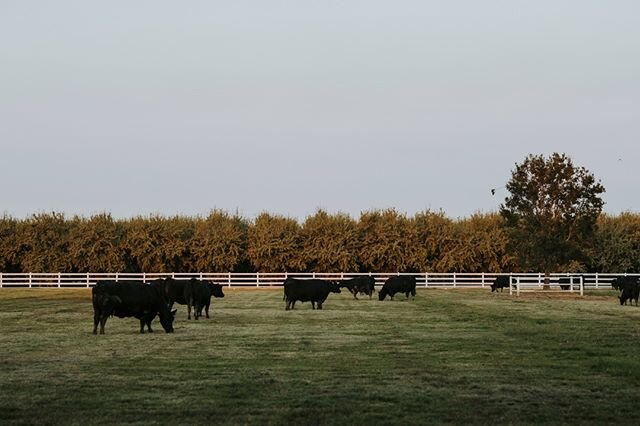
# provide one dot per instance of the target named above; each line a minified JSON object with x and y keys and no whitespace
{"x":629,"y":289}
{"x":398,"y":284}
{"x":314,"y":290}
{"x":179,"y":291}
{"x":500,"y":282}
{"x":130,"y":299}
{"x":203,"y":290}
{"x":363,"y":284}
{"x":618,"y":282}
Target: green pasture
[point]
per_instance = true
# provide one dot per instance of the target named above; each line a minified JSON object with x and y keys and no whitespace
{"x":449,"y":356}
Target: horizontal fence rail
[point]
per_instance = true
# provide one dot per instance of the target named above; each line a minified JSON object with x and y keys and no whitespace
{"x":527,"y":281}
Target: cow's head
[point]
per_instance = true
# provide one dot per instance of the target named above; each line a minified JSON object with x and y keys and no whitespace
{"x":166,"y":319}
{"x":216,"y":289}
{"x":382,"y":293}
{"x":341,"y":284}
{"x":334,"y":287}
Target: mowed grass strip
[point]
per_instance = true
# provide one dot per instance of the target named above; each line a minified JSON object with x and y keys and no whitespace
{"x":456,"y":356}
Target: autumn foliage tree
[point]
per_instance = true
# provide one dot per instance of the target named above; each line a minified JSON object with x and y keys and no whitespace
{"x":95,"y":244}
{"x":384,"y":241}
{"x":275,"y":244}
{"x":616,"y":245}
{"x":11,"y":248}
{"x":551,"y":212}
{"x":219,"y":243}
{"x":330,"y":242}
{"x":44,"y":241}
{"x":157,"y":243}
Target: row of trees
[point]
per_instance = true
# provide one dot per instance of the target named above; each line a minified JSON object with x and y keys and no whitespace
{"x":377,"y":241}
{"x":551,"y":221}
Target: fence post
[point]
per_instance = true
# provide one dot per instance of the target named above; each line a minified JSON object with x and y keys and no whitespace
{"x":571,"y":283}
{"x":144,"y":277}
{"x":518,"y":287}
{"x":200,"y":276}
{"x":87,"y":280}
{"x":58,"y":279}
{"x":510,"y":286}
{"x":454,"y":280}
{"x":313,"y":275}
{"x":426,"y":280}
{"x":257,"y":279}
{"x":229,"y":280}
{"x":117,"y":274}
{"x":581,"y":285}
{"x":596,"y":280}
{"x":0,"y":279}
{"x":173,"y":275}
{"x":483,"y":280}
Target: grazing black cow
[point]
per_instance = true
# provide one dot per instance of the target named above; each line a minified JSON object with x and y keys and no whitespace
{"x":398,"y":284}
{"x":629,"y":289}
{"x":314,"y":290}
{"x":363,"y":284}
{"x":203,"y":290}
{"x":130,"y":299}
{"x":501,"y":282}
{"x":179,"y":291}
{"x":565,"y":282}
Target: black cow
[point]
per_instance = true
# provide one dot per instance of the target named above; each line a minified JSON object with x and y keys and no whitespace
{"x":130,"y":299}
{"x":565,"y":282}
{"x":398,"y":284}
{"x":629,"y":289}
{"x":314,"y":290}
{"x":180,"y":291}
{"x":203,"y":290}
{"x":363,"y":284}
{"x":501,"y":282}
{"x":617,"y":283}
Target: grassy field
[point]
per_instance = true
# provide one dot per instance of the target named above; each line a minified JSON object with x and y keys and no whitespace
{"x":446,"y":357}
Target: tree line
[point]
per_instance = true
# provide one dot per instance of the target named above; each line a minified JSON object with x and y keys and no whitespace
{"x":377,"y":241}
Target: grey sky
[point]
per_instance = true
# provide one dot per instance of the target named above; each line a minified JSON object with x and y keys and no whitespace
{"x":138,"y":107}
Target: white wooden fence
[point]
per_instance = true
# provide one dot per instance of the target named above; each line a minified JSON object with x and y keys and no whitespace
{"x":527,"y":281}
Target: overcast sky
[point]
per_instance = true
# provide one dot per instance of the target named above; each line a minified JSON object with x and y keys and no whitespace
{"x":138,"y":107}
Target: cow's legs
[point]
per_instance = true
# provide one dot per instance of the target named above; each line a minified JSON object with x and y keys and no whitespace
{"x":313,"y":304}
{"x":96,"y":320}
{"x":287,"y":304}
{"x":142,"y":322}
{"x":196,"y":311}
{"x":188,"y":309}
{"x":319,"y":305}
{"x":206,"y":310}
{"x":103,"y":321}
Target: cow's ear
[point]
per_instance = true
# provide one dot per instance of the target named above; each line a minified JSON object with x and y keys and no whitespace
{"x":173,"y":313}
